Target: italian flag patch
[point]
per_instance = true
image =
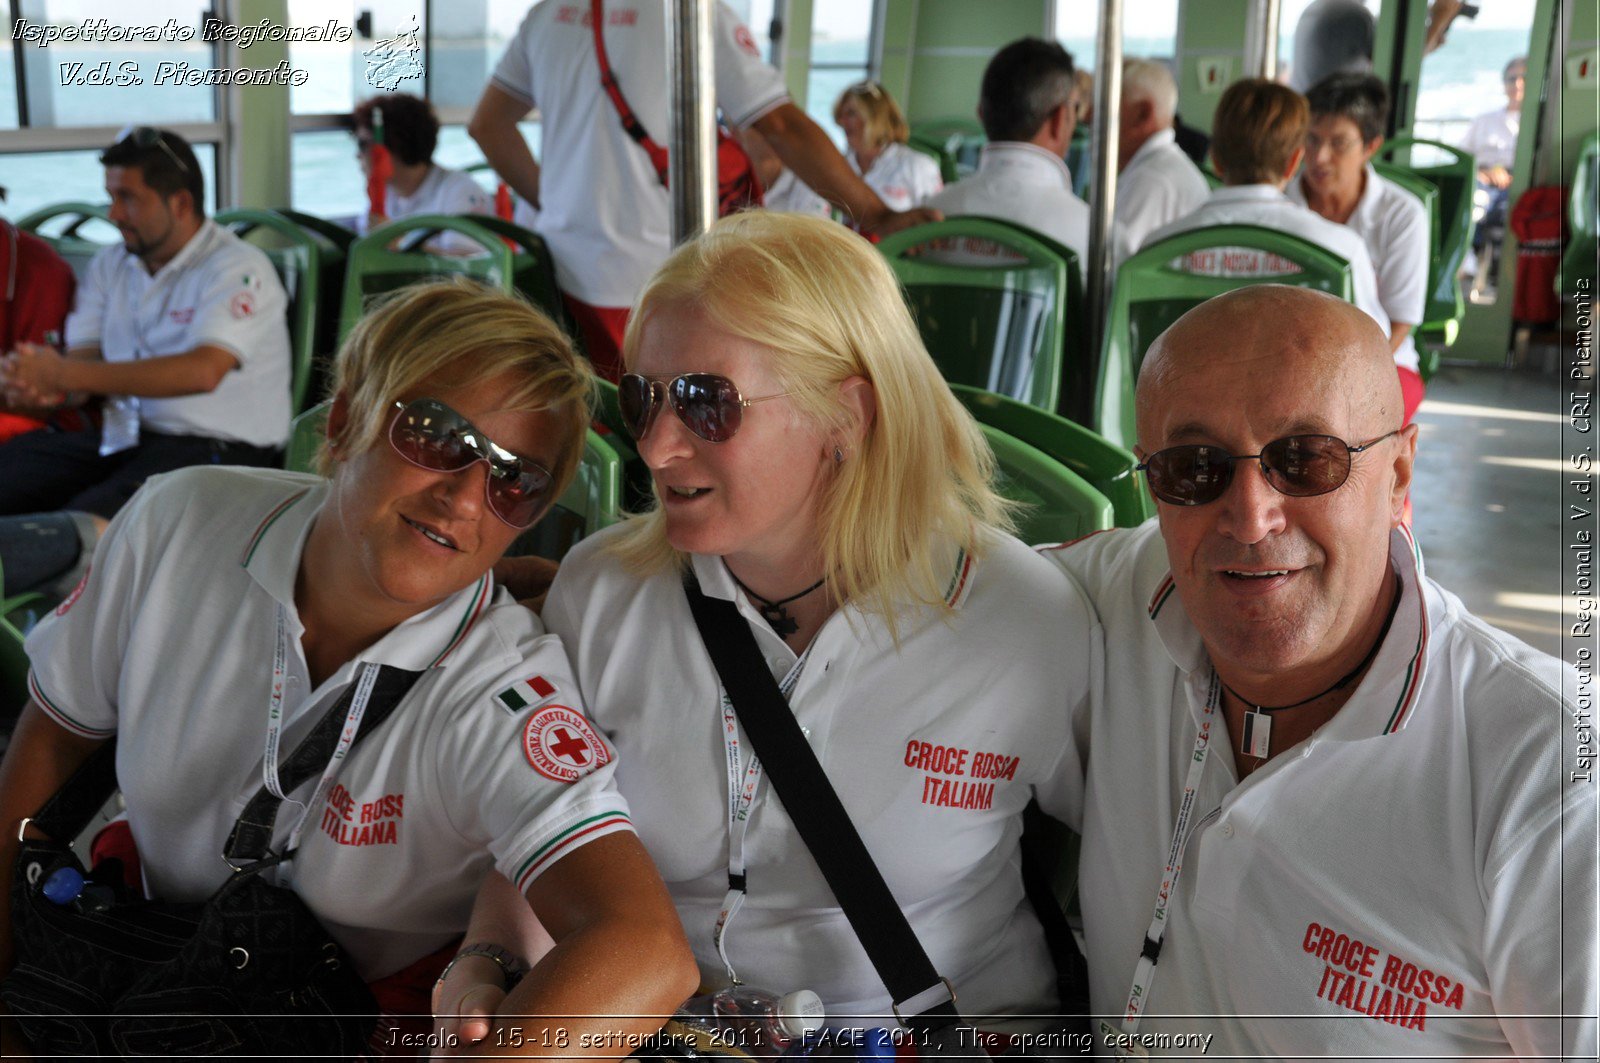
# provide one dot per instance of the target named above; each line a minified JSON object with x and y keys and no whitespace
{"x":531,"y":691}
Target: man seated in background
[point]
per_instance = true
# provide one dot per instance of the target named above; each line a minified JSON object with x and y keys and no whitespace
{"x":1258,"y":138}
{"x":1027,"y":105}
{"x":180,"y":331}
{"x":1156,"y":182}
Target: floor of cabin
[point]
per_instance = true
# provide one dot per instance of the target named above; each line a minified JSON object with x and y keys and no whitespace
{"x":1488,"y":509}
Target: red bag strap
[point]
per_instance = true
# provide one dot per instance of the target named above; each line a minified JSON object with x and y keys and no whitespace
{"x":608,"y":81}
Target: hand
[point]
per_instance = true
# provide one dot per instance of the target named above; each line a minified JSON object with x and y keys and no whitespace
{"x":895,"y":220}
{"x":527,"y":578}
{"x":32,"y":376}
{"x":466,"y":999}
{"x":1499,"y":176}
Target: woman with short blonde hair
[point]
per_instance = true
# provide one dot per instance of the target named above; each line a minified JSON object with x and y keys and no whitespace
{"x":875,"y":133}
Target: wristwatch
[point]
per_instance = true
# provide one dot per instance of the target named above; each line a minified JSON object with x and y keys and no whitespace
{"x":510,"y":967}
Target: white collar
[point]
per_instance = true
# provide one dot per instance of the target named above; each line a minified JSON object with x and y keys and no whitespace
{"x":1153,"y":143}
{"x":1030,"y":160}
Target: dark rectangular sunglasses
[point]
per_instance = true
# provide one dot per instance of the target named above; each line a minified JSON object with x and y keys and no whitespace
{"x":709,"y":405}
{"x":430,"y":435}
{"x":1299,"y":466}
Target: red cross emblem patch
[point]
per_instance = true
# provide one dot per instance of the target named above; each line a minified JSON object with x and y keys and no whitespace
{"x":562,"y":745}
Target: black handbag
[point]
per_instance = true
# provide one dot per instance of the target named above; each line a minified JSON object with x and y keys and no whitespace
{"x":249,"y":971}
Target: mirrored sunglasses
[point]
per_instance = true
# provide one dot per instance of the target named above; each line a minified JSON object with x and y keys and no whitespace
{"x":709,"y":405}
{"x":430,"y":435}
{"x":1299,"y":466}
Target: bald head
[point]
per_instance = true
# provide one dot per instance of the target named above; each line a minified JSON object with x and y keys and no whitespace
{"x":1278,"y":341}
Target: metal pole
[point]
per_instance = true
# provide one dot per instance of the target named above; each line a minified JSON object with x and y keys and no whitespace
{"x":691,"y":148}
{"x":1103,"y":193}
{"x":1271,"y":14}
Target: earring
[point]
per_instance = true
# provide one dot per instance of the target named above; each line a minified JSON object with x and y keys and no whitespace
{"x":838,"y":455}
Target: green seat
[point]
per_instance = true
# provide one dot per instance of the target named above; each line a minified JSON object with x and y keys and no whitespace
{"x":1441,"y":332}
{"x":592,"y":501}
{"x":1058,"y":504}
{"x":998,"y":324}
{"x":302,"y":258}
{"x":306,"y":433}
{"x":508,"y":257}
{"x":71,"y":229}
{"x":332,"y":231}
{"x":1078,"y":160}
{"x":1106,"y":467}
{"x":637,"y":493}
{"x":1162,"y":281}
{"x":1455,"y":176}
{"x":956,"y":142}
{"x":1578,"y":264}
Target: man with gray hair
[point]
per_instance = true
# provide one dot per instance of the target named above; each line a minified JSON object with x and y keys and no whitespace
{"x":1157,"y":183}
{"x":1026,"y":106}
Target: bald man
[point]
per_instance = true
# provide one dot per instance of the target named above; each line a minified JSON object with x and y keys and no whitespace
{"x":1327,"y":811}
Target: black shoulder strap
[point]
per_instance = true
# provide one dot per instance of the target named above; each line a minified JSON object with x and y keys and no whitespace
{"x":251,"y":837}
{"x":924,"y":1000}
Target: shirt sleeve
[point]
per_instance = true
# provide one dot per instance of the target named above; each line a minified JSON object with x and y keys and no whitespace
{"x":747,"y":87}
{"x":1403,"y":273}
{"x":242,"y":308}
{"x":541,"y":782}
{"x":88,"y":309}
{"x":514,"y":73}
{"x":926,"y":180}
{"x":76,"y":653}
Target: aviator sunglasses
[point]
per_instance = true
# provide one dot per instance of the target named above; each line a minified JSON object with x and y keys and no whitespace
{"x":709,"y":405}
{"x":430,"y":435}
{"x":1298,"y":466}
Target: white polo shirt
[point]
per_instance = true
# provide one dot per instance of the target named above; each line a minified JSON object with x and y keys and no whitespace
{"x":1265,"y":205}
{"x":602,"y":210}
{"x":217,"y":291}
{"x":903,"y":177}
{"x":1442,"y":819}
{"x":1026,"y":184}
{"x":934,"y":749}
{"x":169,"y":645}
{"x":1160,"y":184}
{"x":1394,"y":225}
{"x":442,"y":191}
{"x":1492,"y":138}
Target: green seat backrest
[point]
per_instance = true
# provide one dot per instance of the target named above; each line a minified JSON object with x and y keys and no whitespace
{"x":373,"y":268}
{"x":1164,"y":280}
{"x":1579,"y":261}
{"x":77,"y":231}
{"x":592,"y":501}
{"x":332,"y":231}
{"x":13,"y":674}
{"x":1058,"y":504}
{"x":533,"y":269}
{"x":301,"y":257}
{"x":1428,"y":194}
{"x":1108,"y":468}
{"x":941,"y":150}
{"x":1078,"y":160}
{"x":960,"y":142}
{"x":1454,"y":173}
{"x":306,"y":433}
{"x":997,"y":323}
{"x":637,"y":484}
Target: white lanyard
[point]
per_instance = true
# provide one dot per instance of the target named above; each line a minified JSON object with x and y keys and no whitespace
{"x":1144,"y":973}
{"x":743,"y":781}
{"x":347,"y":736}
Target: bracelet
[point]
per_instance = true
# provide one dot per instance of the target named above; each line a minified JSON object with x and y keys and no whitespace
{"x":510,"y":968}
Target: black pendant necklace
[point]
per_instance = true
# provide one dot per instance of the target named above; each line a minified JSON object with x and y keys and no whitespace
{"x":773,"y":612}
{"x":1255,"y":737}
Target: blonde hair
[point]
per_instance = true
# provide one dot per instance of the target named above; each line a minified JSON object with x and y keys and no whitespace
{"x":826,"y":307}
{"x":881,"y":120}
{"x":454,"y":332}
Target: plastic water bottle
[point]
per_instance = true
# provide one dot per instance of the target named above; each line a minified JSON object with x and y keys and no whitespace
{"x":755,"y":1021}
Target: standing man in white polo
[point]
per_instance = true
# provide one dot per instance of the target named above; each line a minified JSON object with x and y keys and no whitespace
{"x":1156,"y":182}
{"x":1328,"y":812}
{"x":180,"y":331}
